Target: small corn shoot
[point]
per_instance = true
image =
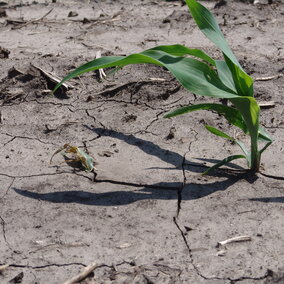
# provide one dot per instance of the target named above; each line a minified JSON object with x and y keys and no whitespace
{"x":202,"y":75}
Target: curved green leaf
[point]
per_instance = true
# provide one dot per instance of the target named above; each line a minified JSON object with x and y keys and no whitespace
{"x":206,"y":22}
{"x":210,"y":28}
{"x":249,"y":109}
{"x":225,"y":74}
{"x":218,"y":132}
{"x":226,"y":136}
{"x":242,"y":81}
{"x":265,"y":146}
{"x":194,"y":75}
{"x":181,"y":50}
{"x":263,"y":135}
{"x":231,"y":114}
{"x":223,"y":162}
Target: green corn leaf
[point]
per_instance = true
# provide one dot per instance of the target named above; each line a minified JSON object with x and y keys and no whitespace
{"x":264,"y":147}
{"x":86,"y":160}
{"x":226,"y":136}
{"x":223,"y":162}
{"x":219,"y":133}
{"x":249,"y":109}
{"x":208,"y":25}
{"x":231,"y":114}
{"x":263,"y":135}
{"x":194,"y":75}
{"x":180,"y":50}
{"x":245,"y":150}
{"x":242,"y":81}
{"x":225,"y":74}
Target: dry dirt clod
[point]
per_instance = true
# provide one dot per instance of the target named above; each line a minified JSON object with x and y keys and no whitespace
{"x":105,"y":154}
{"x":72,"y":14}
{"x":171,"y":134}
{"x":17,"y":279}
{"x":13,"y":72}
{"x":4,"y":53}
{"x":3,"y":13}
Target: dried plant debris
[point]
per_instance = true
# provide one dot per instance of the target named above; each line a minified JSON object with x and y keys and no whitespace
{"x":52,"y":77}
{"x":234,"y":240}
{"x":83,"y":275}
{"x":3,"y":267}
{"x":74,"y":155}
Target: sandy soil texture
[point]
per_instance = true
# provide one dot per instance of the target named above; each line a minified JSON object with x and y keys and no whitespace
{"x":55,"y":220}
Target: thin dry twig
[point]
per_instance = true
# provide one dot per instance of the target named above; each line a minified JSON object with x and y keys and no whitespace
{"x":266,"y":104}
{"x":267,"y":78}
{"x":83,"y":274}
{"x":3,"y":267}
{"x":114,"y":18}
{"x":102,"y":73}
{"x":22,"y":23}
{"x":55,"y":79}
{"x":234,"y":240}
{"x":41,"y":18}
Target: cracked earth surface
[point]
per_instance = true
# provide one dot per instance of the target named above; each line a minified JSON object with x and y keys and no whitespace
{"x":149,"y":216}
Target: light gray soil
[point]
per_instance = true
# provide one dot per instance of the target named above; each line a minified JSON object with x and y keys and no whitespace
{"x":55,"y":219}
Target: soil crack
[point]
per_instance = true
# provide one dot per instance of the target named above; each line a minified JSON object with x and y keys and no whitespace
{"x":3,"y":223}
{"x":232,"y":281}
{"x":47,"y":265}
{"x":136,"y":184}
{"x":96,"y":120}
{"x":190,"y":252}
{"x":179,"y":198}
{"x":23,"y":137}
{"x":10,"y":185}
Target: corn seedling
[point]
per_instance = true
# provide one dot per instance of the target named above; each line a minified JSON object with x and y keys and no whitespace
{"x":202,"y":75}
{"x":77,"y":155}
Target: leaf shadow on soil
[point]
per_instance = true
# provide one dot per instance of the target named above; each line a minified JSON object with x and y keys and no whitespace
{"x":158,"y":191}
{"x":167,"y":156}
{"x":191,"y":191}
{"x":278,"y":199}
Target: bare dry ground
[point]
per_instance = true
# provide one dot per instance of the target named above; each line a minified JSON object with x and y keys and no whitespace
{"x":55,"y":219}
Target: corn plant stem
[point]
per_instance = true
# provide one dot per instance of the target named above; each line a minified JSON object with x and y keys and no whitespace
{"x":255,"y":156}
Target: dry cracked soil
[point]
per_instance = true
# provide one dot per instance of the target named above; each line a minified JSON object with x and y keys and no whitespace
{"x":56,"y":220}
